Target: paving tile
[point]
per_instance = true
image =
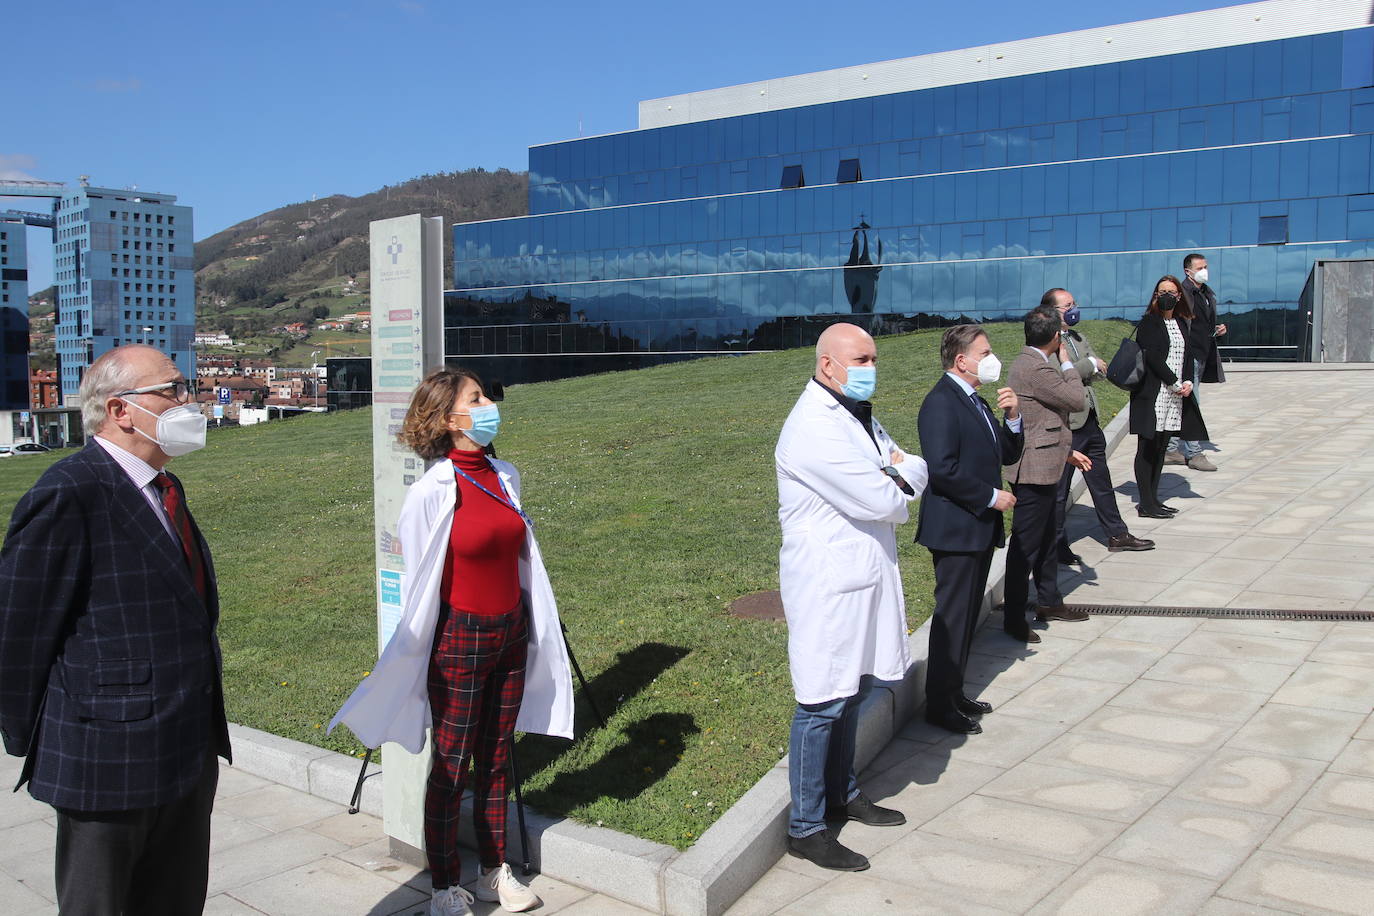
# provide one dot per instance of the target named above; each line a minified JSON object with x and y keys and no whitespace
{"x":1157,"y":631}
{"x":1007,"y":739}
{"x":1349,"y":553}
{"x":1220,"y":703}
{"x":1325,"y":837}
{"x":1058,"y":835}
{"x":1124,"y":889}
{"x":1317,"y":587}
{"x":1357,"y":759}
{"x":1008,"y":673}
{"x":861,"y":893}
{"x":595,"y":905}
{"x":1114,"y":591}
{"x":1326,"y":568}
{"x":897,"y":750}
{"x":1233,"y":570}
{"x":776,"y":889}
{"x":1271,"y":600}
{"x":327,"y":887}
{"x":280,"y":852}
{"x":1061,"y":700}
{"x":991,"y":640}
{"x":277,"y":807}
{"x":1300,"y":885}
{"x":234,"y":781}
{"x":927,"y":784}
{"x":26,"y":855}
{"x":1060,"y":789}
{"x":1346,"y":646}
{"x":1296,"y":731}
{"x":375,"y":857}
{"x":1306,"y":630}
{"x":1192,"y":837}
{"x":1344,"y":687}
{"x":1080,"y":630}
{"x":953,"y":870}
{"x":1191,"y":593}
{"x":1341,"y":793}
{"x":17,"y":899}
{"x":1250,"y":547}
{"x":1220,"y":906}
{"x":1182,"y":668}
{"x":1156,"y":729}
{"x":350,"y":829}
{"x":1116,"y":660}
{"x":21,"y":808}
{"x":226,"y":905}
{"x":1251,"y":780}
{"x":1244,"y":647}
{"x":227,"y":832}
{"x":1129,"y":759}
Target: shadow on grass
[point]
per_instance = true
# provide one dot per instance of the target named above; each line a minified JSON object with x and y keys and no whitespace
{"x":650,"y":748}
{"x":630,"y":673}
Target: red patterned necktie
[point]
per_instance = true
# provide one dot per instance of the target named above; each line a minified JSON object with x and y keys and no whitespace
{"x":181,"y":521}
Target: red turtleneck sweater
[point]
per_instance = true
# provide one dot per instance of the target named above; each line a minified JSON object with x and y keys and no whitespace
{"x":482,"y":571}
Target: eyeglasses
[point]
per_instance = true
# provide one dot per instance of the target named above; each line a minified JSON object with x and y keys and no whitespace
{"x":182,"y":390}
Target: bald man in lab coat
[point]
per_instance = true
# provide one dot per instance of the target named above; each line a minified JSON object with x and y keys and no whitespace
{"x":843,"y":488}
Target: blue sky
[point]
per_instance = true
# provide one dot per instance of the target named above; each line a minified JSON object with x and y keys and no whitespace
{"x":239,"y":108}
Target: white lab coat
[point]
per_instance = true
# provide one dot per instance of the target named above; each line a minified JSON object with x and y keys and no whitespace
{"x":392,"y":703}
{"x":841,"y":589}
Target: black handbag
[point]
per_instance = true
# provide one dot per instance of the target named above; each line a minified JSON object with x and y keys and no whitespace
{"x":1127,"y":368}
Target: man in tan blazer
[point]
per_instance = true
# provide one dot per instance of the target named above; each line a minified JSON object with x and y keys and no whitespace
{"x":1049,"y":388}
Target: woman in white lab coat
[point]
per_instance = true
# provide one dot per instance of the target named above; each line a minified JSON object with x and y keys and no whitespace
{"x":479,"y":650}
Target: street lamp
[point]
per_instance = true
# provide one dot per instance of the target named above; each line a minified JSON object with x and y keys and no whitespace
{"x":146,"y":331}
{"x":313,"y":354}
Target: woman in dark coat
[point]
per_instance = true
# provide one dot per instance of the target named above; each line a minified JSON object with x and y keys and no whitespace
{"x":1163,"y":407}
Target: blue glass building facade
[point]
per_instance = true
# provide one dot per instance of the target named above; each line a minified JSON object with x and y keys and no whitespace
{"x":931,"y":206}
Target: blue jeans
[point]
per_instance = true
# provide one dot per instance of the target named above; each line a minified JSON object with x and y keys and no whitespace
{"x":821,"y":760}
{"x":1190,"y":447}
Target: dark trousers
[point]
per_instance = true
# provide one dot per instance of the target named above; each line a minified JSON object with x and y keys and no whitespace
{"x":476,"y":682}
{"x":1149,"y":465}
{"x":1031,"y":552}
{"x":131,"y":863}
{"x":1091,"y":442}
{"x":960,"y":579}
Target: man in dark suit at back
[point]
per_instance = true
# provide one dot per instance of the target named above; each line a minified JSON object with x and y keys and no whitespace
{"x":109,"y":664}
{"x":1203,"y":331}
{"x":961,"y":515}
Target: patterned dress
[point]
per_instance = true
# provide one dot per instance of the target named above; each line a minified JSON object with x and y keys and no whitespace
{"x":1169,"y":406}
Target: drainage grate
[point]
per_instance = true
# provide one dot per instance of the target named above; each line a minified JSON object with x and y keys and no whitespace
{"x":1243,"y":613}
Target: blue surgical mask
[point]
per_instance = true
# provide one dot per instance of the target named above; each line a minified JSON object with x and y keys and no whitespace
{"x":1071,"y":316}
{"x":486,"y":420}
{"x":863,"y":381}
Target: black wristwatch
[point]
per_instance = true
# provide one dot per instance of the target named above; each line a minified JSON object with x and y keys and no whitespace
{"x":898,"y":479}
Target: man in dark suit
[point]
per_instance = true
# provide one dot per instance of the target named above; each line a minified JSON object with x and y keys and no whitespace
{"x":1203,"y":331}
{"x":961,"y":515}
{"x":1088,"y":439}
{"x":1048,"y":388}
{"x":109,"y":664}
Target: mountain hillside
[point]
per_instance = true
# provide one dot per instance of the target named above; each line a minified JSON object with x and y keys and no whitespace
{"x":308,"y":261}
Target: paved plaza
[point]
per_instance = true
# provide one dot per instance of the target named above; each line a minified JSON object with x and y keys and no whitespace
{"x":1134,"y":764}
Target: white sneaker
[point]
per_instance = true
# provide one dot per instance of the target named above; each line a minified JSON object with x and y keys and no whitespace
{"x":451,"y":901}
{"x":500,"y":884}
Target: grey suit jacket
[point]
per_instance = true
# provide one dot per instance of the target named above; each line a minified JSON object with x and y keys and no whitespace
{"x":1081,"y":352}
{"x":1046,"y":396}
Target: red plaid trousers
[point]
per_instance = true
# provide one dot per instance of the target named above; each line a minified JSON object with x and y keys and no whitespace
{"x":476,"y":681}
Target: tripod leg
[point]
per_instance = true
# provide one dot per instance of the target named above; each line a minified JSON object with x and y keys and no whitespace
{"x":520,"y":811}
{"x":577,"y":669}
{"x":358,"y":786}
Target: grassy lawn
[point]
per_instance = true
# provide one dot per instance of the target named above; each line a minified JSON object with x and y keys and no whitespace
{"x":654,"y":497}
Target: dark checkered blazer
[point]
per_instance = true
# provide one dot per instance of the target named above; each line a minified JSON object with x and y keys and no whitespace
{"x":109,"y":664}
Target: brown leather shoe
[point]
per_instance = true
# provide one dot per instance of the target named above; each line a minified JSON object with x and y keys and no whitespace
{"x":1128,"y":541}
{"x":1060,"y":612}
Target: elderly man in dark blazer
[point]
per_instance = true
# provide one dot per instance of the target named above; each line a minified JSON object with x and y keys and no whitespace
{"x":109,"y":664}
{"x":961,"y":514}
{"x":1049,"y":388}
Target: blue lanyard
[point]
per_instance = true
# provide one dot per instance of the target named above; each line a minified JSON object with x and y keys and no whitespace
{"x":505,"y":501}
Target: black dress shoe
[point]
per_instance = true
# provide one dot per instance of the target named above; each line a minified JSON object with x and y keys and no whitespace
{"x":1152,"y":513}
{"x":954,"y":721}
{"x":1169,"y":509}
{"x":1060,"y":612}
{"x":972,"y":708}
{"x":863,"y":810}
{"x":1069,"y":558}
{"x":1022,"y":632}
{"x":1128,"y":541}
{"x":823,"y":849}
